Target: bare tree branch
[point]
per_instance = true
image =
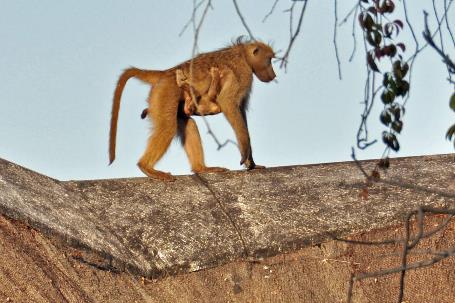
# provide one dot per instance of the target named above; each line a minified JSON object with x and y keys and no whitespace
{"x":271,"y":11}
{"x":354,"y":38}
{"x":196,"y":30}
{"x":429,"y":39}
{"x":353,"y":9}
{"x":192,"y":17}
{"x":409,"y":243}
{"x":293,"y":34}
{"x":449,"y":29}
{"x":438,"y":28}
{"x":243,"y":19}
{"x":335,"y":39}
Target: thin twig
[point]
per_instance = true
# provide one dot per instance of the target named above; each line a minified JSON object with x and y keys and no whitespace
{"x":243,"y":20}
{"x":191,"y":19}
{"x":407,"y":247}
{"x":335,"y":39}
{"x":196,"y":29}
{"x":212,"y":134}
{"x":359,"y":165}
{"x":438,"y":28}
{"x":271,"y":11}
{"x":441,"y":40}
{"x":428,"y":234}
{"x":353,"y":9}
{"x":429,"y":39}
{"x":354,"y":38}
{"x":294,"y":35}
{"x":370,"y":85}
{"x":416,"y":41}
{"x":446,"y":7}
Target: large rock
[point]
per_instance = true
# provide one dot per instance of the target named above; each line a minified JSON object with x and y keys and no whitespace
{"x":149,"y":227}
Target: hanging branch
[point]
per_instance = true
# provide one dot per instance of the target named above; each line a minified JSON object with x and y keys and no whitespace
{"x":271,"y":11}
{"x":409,"y":243}
{"x":196,"y":30}
{"x":450,"y":68}
{"x":243,"y":20}
{"x":353,"y":33}
{"x":446,"y":8}
{"x":293,"y":34}
{"x":335,"y":39}
{"x":193,"y":14}
{"x":438,"y":28}
{"x":429,"y":39}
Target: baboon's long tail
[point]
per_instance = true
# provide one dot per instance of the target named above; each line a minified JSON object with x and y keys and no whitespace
{"x":148,"y":76}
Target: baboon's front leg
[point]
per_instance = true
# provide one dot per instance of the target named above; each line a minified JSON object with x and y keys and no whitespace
{"x":230,"y":100}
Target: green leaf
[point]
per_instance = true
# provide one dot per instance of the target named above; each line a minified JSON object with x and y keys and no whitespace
{"x":452,"y":102}
{"x":388,"y":29}
{"x":397,"y":126}
{"x":402,"y":88}
{"x":450,"y":133}
{"x":371,"y":63}
{"x":366,"y":21}
{"x":377,"y":37}
{"x":374,"y":38}
{"x":369,"y":22}
{"x":402,"y":46}
{"x":387,"y":96}
{"x":372,"y":10}
{"x":397,"y":70}
{"x":399,"y":23}
{"x":391,"y":141}
{"x":385,"y":118}
{"x":404,"y":69}
{"x":389,"y":6}
{"x":387,"y":79}
{"x":395,"y":110}
{"x":390,"y":50}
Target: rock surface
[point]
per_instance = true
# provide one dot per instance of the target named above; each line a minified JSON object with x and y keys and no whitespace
{"x":151,"y":228}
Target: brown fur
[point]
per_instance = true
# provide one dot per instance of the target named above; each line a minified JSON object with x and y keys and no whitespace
{"x":207,"y":103}
{"x":236,"y":64}
{"x":195,"y":104}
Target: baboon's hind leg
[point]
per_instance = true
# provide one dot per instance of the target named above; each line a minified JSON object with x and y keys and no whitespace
{"x":163,"y":103}
{"x":191,"y":141}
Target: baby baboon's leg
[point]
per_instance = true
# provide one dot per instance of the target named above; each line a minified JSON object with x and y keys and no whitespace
{"x":180,"y":78}
{"x":207,"y":104}
{"x":190,"y":105}
{"x":214,"y":88}
{"x":191,"y":141}
{"x":163,"y":103}
{"x":183,"y":82}
{"x":207,"y":107}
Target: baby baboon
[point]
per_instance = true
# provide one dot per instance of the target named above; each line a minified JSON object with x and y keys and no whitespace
{"x":236,"y":64}
{"x":203,"y":105}
{"x":206,"y":104}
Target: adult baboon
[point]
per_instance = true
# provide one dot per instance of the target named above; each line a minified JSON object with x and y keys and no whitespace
{"x":237,"y":63}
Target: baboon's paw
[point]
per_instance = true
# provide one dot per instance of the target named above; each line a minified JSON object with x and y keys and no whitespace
{"x":156,"y":174}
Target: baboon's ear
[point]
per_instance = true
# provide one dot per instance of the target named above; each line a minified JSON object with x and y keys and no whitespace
{"x":256,"y":51}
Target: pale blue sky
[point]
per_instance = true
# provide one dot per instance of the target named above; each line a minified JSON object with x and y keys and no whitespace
{"x":60,"y":61}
